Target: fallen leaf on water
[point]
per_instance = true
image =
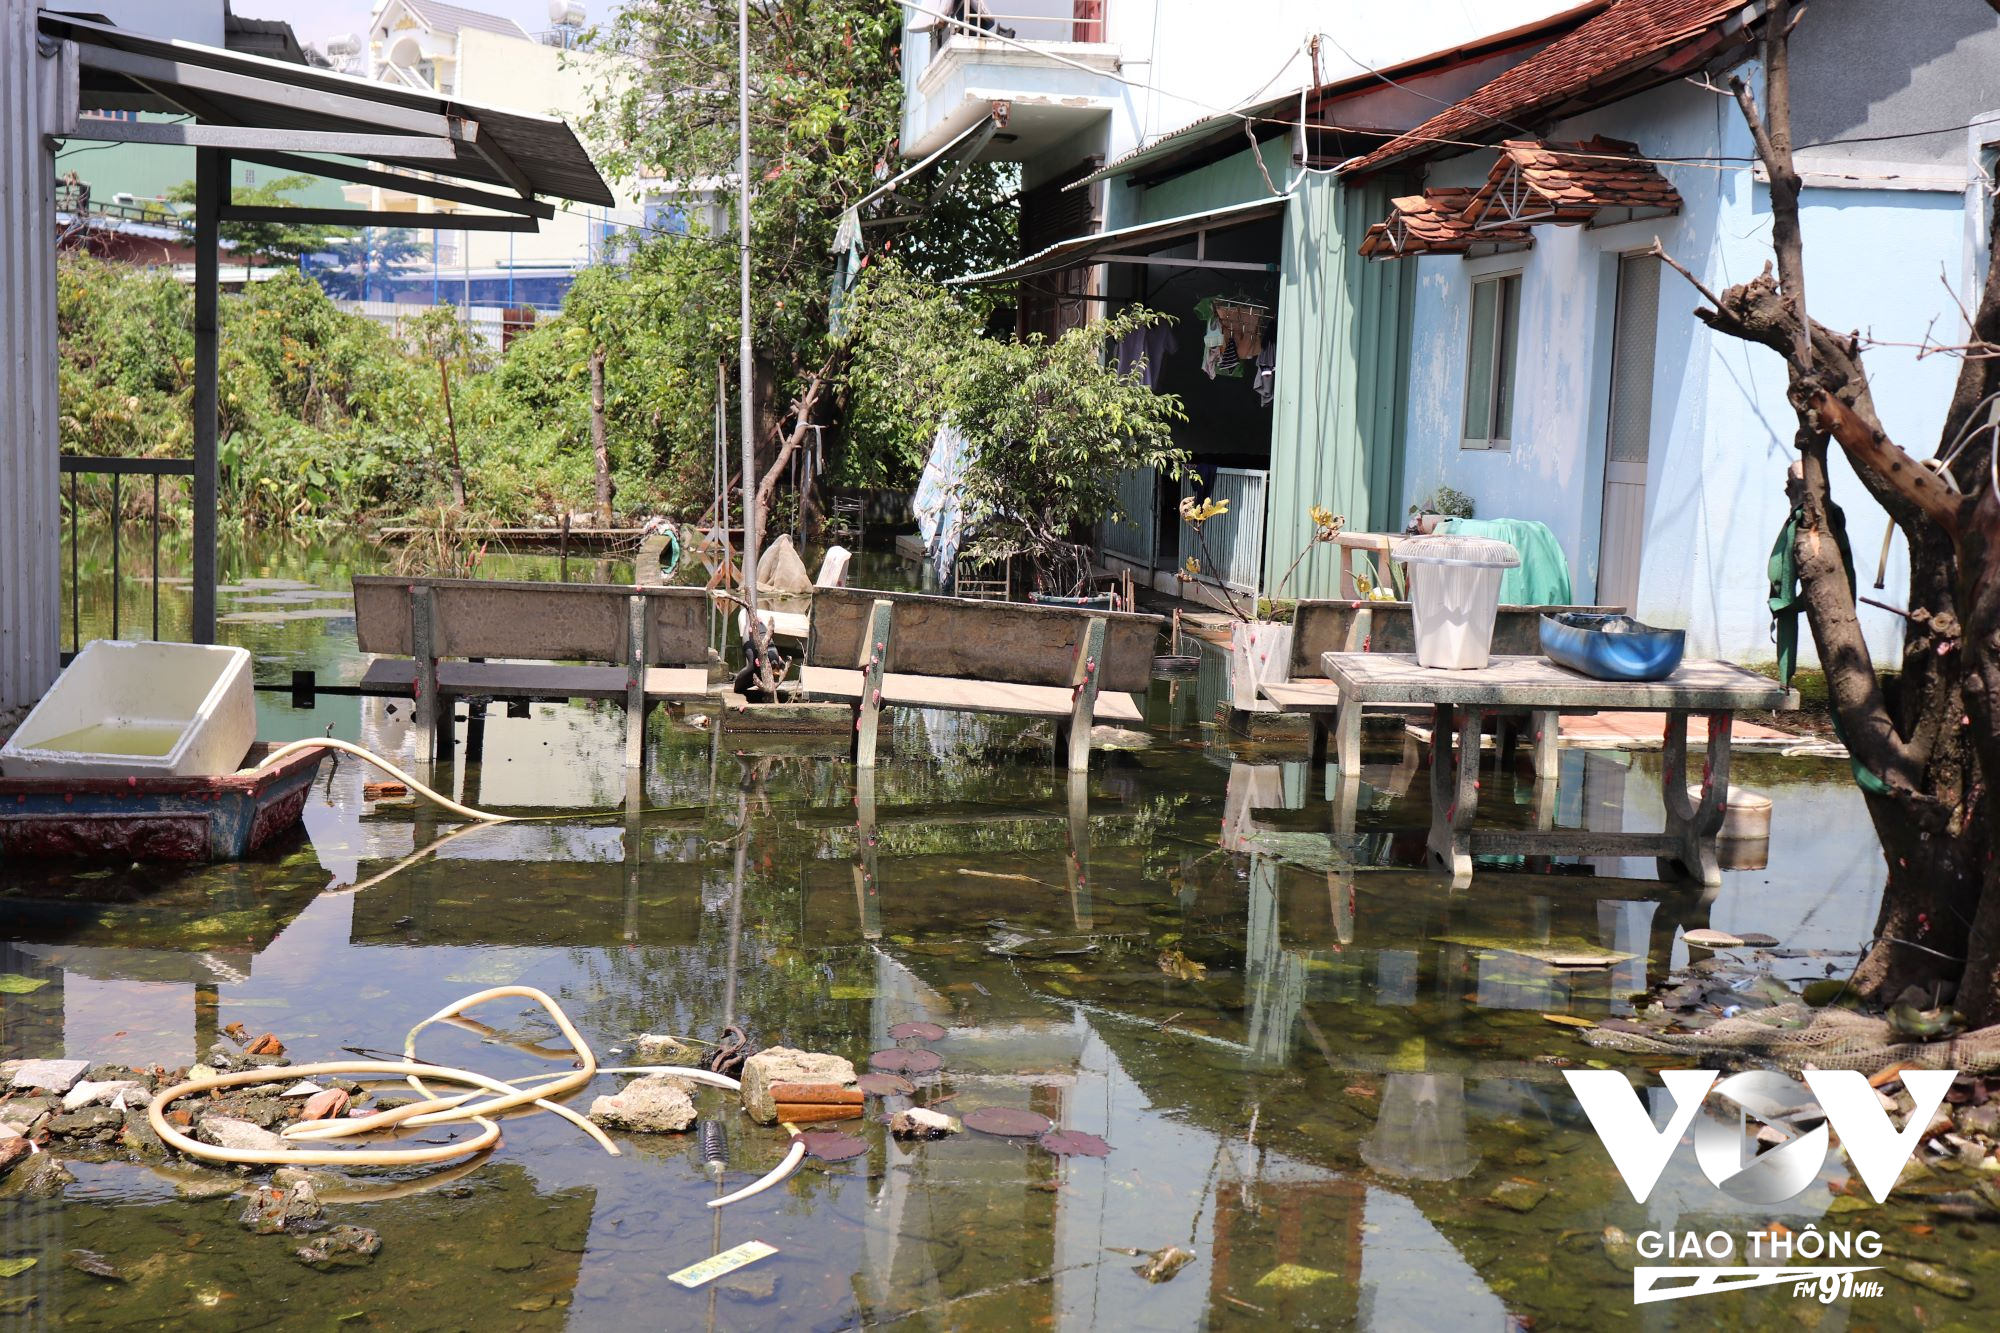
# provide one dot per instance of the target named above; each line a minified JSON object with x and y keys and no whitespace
{"x":13,"y":983}
{"x":93,"y":1263}
{"x":1180,"y":967}
{"x":15,"y":1267}
{"x":1074,"y":1143}
{"x":1569,"y":1020}
{"x":1164,"y":1263}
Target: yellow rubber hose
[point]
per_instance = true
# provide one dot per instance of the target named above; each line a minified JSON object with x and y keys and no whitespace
{"x":348,"y":747}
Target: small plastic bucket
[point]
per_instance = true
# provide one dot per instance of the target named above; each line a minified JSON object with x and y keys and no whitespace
{"x":1454,"y":596}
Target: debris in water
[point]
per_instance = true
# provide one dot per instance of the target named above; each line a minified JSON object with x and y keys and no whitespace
{"x":919,"y":1031}
{"x":1074,"y":1143}
{"x":1163,"y":1263}
{"x":903,"y":1060}
{"x":1569,"y":1020}
{"x":93,"y":1263}
{"x":922,"y":1123}
{"x":343,"y":1246}
{"x":782,"y":1064}
{"x":1294,"y":1277}
{"x":653,"y":1104}
{"x":885,"y":1085}
{"x":830,"y":1145}
{"x":322,"y":1105}
{"x":383,"y":791}
{"x":268,"y":1044}
{"x":707,"y":1270}
{"x":1519,"y":1194}
{"x":1180,"y":967}
{"x":1009,"y":1122}
{"x":1619,"y":1249}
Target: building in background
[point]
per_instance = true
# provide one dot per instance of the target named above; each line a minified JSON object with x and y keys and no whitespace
{"x":461,"y":52}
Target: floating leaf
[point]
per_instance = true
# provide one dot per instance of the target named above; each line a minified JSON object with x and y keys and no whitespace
{"x":1181,"y":967}
{"x":902,"y":1061}
{"x":13,"y":983}
{"x":1074,"y":1143}
{"x":1569,"y":1020}
{"x":885,"y":1085}
{"x":1009,"y":1122}
{"x":830,"y":1145}
{"x":920,"y":1031}
{"x":15,"y":1267}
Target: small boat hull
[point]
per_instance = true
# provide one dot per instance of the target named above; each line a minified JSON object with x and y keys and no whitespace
{"x":1631,"y":651}
{"x":156,"y":819}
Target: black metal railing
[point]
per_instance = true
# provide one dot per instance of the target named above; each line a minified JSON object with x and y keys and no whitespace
{"x":117,"y":469}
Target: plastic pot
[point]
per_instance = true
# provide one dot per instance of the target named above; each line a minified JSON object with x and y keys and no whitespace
{"x":1454,"y":597}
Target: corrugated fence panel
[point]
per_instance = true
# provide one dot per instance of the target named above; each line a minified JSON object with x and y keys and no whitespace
{"x":36,"y":100}
{"x":1343,"y":334}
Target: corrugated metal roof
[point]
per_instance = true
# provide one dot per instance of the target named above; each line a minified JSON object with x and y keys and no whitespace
{"x":545,"y":149}
{"x":1079,"y":249}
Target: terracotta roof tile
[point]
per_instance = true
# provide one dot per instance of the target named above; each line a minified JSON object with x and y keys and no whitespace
{"x":1533,"y":181}
{"x":1435,"y":223}
{"x":1627,"y":38}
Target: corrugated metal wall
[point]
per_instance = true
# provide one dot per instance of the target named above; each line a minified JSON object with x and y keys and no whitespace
{"x":37,"y":98}
{"x":1343,"y":351}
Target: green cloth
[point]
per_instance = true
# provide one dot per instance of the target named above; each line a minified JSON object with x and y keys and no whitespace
{"x":1542,"y":577}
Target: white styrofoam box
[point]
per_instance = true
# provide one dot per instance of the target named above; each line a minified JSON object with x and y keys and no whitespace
{"x":201,"y":692}
{"x":1454,"y":597}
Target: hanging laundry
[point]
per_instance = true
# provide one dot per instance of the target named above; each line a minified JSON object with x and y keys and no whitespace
{"x":1144,"y":352}
{"x":1241,"y":325}
{"x":1265,"y":381}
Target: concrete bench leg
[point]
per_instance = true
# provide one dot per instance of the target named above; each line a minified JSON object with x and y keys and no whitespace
{"x":635,"y":686}
{"x":1547,"y":724}
{"x":1347,"y":740}
{"x":1083,"y":685}
{"x":1693,"y":824}
{"x":1076,"y":860}
{"x":422,"y":647}
{"x":1454,"y":790}
{"x":874,"y":665}
{"x":867,"y":889}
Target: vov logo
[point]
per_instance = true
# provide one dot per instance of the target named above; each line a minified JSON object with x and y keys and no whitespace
{"x":1754,"y":1147}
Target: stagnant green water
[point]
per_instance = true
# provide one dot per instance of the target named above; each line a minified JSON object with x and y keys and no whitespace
{"x":1312,"y":1062}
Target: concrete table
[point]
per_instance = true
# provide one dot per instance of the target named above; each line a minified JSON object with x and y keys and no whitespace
{"x":1460,"y":699}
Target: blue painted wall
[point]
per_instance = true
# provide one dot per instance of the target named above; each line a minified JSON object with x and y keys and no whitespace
{"x":1721,"y":430}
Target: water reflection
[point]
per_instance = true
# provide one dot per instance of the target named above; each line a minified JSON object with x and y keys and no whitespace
{"x":1314,"y":1064}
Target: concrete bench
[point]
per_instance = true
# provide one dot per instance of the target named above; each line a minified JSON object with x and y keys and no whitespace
{"x":1349,"y":626}
{"x":657,"y":639}
{"x":911,"y":651}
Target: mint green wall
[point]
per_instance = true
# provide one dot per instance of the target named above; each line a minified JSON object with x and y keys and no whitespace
{"x":1343,"y":349}
{"x":1234,"y":180}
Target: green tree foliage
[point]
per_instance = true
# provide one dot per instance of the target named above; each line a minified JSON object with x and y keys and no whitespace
{"x":1050,"y":424}
{"x":280,"y":242}
{"x":826,"y":101}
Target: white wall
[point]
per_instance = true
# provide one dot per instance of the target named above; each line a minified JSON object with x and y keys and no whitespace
{"x":1721,"y":437}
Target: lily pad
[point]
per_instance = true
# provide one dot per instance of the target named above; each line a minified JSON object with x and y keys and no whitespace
{"x":920,"y":1031}
{"x":13,"y":983}
{"x":830,"y":1145}
{"x":1074,"y":1143}
{"x":906,"y":1061}
{"x":885,"y":1085}
{"x":1009,"y":1122}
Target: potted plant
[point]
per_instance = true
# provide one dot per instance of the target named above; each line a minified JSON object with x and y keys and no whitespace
{"x":1260,"y":646}
{"x":1442,"y":503}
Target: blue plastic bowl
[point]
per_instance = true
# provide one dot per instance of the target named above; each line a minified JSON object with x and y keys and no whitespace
{"x":1608,"y":647}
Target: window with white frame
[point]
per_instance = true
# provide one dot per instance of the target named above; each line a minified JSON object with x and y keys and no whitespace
{"x":1489,"y":362}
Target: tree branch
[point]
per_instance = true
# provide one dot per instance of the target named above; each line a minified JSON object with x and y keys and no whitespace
{"x":1868,"y":447}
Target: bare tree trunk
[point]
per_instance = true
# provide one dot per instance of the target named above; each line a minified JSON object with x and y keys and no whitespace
{"x":599,"y":449}
{"x":451,"y":435}
{"x":1924,"y":740}
{"x":802,"y":414}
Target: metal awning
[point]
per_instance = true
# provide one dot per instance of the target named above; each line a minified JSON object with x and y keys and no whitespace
{"x":259,"y":109}
{"x":1123,"y":245}
{"x":980,"y":132}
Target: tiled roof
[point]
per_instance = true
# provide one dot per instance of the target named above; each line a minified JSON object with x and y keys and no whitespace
{"x":455,"y":18}
{"x":1533,"y":181}
{"x":1665,"y":37}
{"x":1434,"y":223}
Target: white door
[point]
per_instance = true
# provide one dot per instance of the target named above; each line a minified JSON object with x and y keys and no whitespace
{"x":1622,"y":538}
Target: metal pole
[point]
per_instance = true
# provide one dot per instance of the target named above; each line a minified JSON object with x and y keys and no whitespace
{"x":749,"y":410}
{"x":211,"y":180}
